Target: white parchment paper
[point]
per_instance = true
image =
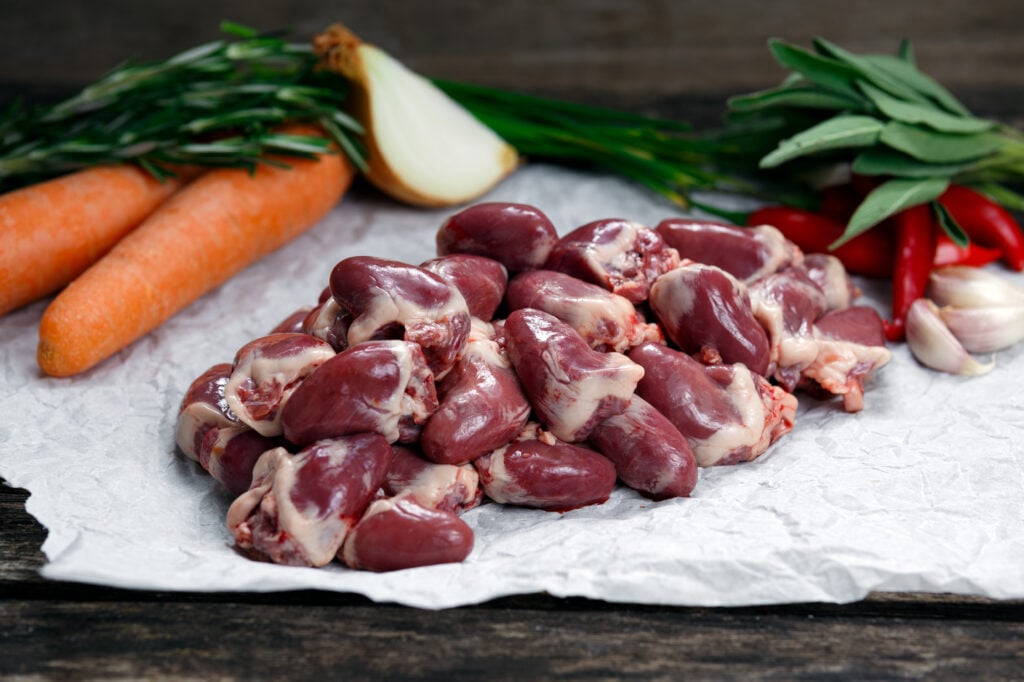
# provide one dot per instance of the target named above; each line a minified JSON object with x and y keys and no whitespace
{"x":919,"y":492}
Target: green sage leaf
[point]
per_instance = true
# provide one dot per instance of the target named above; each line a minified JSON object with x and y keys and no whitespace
{"x":906,"y":73}
{"x":830,"y":74}
{"x":885,"y":161}
{"x":925,"y":114}
{"x":807,"y":97}
{"x":888,"y":199}
{"x":868,"y":71}
{"x":935,"y":146}
{"x":949,"y":225}
{"x":837,"y":132}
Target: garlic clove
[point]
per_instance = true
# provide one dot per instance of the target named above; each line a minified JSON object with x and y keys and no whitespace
{"x":934,"y":345}
{"x":984,"y":330}
{"x":964,"y":286}
{"x":423,"y":148}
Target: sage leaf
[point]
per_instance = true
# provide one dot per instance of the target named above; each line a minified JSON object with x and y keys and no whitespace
{"x":807,"y":97}
{"x":888,"y":199}
{"x":884,"y":161}
{"x":925,"y":114}
{"x":949,"y":225}
{"x":868,"y":71}
{"x":837,"y":132}
{"x":935,"y":146}
{"x":830,"y":74}
{"x":906,"y":73}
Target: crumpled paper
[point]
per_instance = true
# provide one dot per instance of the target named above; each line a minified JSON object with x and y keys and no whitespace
{"x":919,"y":492}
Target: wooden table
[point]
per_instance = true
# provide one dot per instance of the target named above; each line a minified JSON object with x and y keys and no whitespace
{"x":62,"y":630}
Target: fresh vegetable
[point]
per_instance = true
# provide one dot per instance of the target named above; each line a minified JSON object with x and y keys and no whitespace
{"x":915,"y":253}
{"x":986,"y":222}
{"x":884,"y":120}
{"x":935,"y":346}
{"x":868,"y":254}
{"x":948,"y":252}
{"x":56,"y":229}
{"x":210,"y":230}
{"x":217,"y":104}
{"x":422,"y":147}
{"x":214,"y":105}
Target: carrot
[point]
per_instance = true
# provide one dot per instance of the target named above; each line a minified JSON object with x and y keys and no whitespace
{"x":210,"y":230}
{"x":52,"y":231}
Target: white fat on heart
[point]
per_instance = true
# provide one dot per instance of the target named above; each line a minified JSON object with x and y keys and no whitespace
{"x":192,"y":419}
{"x":276,"y":471}
{"x":736,"y":434}
{"x":578,"y":400}
{"x":617,"y":252}
{"x":283,"y":370}
{"x":841,"y":367}
{"x":386,"y":308}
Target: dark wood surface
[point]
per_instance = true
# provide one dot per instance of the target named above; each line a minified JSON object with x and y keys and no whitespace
{"x":663,"y":57}
{"x":61,"y":630}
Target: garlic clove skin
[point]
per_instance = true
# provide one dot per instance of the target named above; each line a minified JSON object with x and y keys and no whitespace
{"x":963,"y":286}
{"x":423,"y":148}
{"x":984,"y":330}
{"x":933,"y":344}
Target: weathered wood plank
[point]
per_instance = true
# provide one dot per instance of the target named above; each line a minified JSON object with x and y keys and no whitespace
{"x":238,"y":640}
{"x":653,"y":47}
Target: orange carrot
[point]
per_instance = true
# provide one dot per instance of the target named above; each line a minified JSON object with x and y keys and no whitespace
{"x":210,"y":230}
{"x":51,"y":232}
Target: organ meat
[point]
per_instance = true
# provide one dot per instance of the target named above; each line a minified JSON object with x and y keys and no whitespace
{"x":572,"y":387}
{"x":387,"y":299}
{"x":482,"y":404}
{"x":746,"y":253}
{"x":851,"y":347}
{"x":379,"y":386}
{"x":605,"y":320}
{"x":208,"y":432}
{"x":538,"y":470}
{"x":727,"y":413}
{"x":830,"y":275}
{"x":480,"y":280}
{"x":300,"y":507}
{"x":620,"y":255}
{"x":435,"y":486}
{"x":786,"y":304}
{"x":706,"y":312}
{"x":397,"y":533}
{"x":266,"y":372}
{"x":519,"y":236}
{"x":649,"y":453}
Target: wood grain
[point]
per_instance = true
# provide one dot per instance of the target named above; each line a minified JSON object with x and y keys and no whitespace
{"x":646,"y":47}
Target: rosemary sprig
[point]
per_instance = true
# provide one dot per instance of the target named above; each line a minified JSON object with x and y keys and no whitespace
{"x":216,"y":105}
{"x":212,"y":105}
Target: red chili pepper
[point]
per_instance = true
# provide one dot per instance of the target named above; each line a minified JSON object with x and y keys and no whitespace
{"x":986,"y":222}
{"x":868,"y":254}
{"x":915,"y":253}
{"x":839,"y":202}
{"x":974,"y":254}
